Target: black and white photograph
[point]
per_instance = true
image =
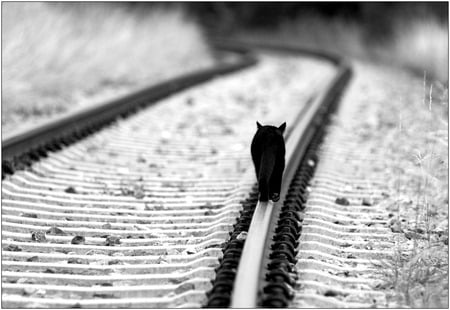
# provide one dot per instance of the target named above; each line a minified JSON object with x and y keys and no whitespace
{"x":224,"y":155}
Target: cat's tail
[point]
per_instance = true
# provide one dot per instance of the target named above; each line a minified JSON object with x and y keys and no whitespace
{"x":265,"y":171}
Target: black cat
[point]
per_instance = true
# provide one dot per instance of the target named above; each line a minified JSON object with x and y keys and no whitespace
{"x":268,"y":152}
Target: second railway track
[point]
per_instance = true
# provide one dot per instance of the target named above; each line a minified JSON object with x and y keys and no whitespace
{"x":140,"y":213}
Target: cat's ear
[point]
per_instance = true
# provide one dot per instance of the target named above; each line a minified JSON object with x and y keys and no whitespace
{"x":258,"y":125}
{"x":282,"y":127}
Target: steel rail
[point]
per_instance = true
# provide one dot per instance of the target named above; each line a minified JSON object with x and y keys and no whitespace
{"x":74,"y":125}
{"x":240,"y":46}
{"x":249,"y":277}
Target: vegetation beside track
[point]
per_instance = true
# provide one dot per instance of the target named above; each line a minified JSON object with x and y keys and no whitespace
{"x":419,"y":45}
{"x":405,"y":124}
{"x":419,"y":146}
{"x":57,"y":56}
{"x":410,"y":35}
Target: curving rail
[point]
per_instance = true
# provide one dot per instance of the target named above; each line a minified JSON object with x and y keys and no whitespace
{"x":251,"y":277}
{"x":247,"y":290}
{"x":29,"y":144}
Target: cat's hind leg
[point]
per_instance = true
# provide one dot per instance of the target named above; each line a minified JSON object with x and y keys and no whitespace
{"x":275,"y":181}
{"x":263,"y":190}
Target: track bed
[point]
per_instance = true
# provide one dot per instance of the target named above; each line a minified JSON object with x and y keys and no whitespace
{"x":154,"y":196}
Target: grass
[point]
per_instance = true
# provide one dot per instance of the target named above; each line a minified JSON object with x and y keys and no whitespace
{"x":417,"y":274}
{"x":418,"y":280}
{"x":416,"y":43}
{"x":59,"y":55}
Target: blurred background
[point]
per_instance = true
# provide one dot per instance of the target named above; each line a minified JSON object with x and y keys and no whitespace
{"x":58,"y":56}
{"x":412,"y":34}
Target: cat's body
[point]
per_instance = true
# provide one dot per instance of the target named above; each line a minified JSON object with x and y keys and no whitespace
{"x":268,"y":151}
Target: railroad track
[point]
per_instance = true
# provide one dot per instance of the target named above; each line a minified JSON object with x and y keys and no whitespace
{"x":159,"y":209}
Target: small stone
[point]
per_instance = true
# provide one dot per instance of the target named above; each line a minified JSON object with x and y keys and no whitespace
{"x":33,"y":259}
{"x":311,"y":163}
{"x":12,"y":248}
{"x":29,"y":290}
{"x":40,"y":293}
{"x":56,"y":231}
{"x":342,"y":201}
{"x":189,"y":252}
{"x":62,"y":251}
{"x":206,"y":206}
{"x":175,"y":280}
{"x":332,"y":271}
{"x":141,"y":159}
{"x":115,"y":262}
{"x":74,"y":260}
{"x":191,"y":242}
{"x":50,"y":270}
{"x":330,"y":293}
{"x":420,"y":230}
{"x":138,"y":191}
{"x":162,"y":260}
{"x":107,"y":226}
{"x":112,"y":240}
{"x":25,"y":280}
{"x":103,"y":295}
{"x":369,"y":246}
{"x":411,"y":235}
{"x":242,"y":236}
{"x":70,"y":190}
{"x":396,"y":227}
{"x":172,"y":252}
{"x":214,"y":245}
{"x":30,"y":215}
{"x":78,"y":240}
{"x":38,"y":236}
{"x":184,"y":287}
{"x":366,"y":202}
